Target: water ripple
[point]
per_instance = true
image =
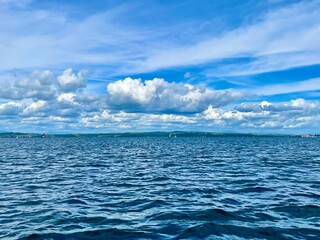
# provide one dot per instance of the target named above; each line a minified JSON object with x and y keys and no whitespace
{"x":159,"y":188}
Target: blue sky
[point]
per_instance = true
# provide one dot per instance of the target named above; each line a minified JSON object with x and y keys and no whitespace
{"x":118,"y":66}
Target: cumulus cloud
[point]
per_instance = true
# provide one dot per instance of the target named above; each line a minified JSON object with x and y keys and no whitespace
{"x":293,"y":105}
{"x":35,"y":107}
{"x":66,"y":97}
{"x":45,"y":94}
{"x":158,"y":95}
{"x":70,"y":82}
{"x":221,"y":116}
{"x":42,"y":85}
{"x":137,"y":121}
{"x":10,"y":108}
{"x":34,"y":86}
{"x":293,"y":114}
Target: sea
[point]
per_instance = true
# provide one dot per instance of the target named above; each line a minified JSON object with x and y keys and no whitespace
{"x":223,"y":187}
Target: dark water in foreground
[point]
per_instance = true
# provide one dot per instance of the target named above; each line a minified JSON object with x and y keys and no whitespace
{"x":157,"y":188}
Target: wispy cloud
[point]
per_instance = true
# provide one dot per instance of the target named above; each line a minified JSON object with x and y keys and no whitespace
{"x":293,"y":29}
{"x":301,"y":86}
{"x":41,"y":38}
{"x":266,"y":64}
{"x":15,"y":3}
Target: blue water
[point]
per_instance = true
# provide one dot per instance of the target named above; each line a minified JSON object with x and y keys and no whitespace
{"x":160,"y":188}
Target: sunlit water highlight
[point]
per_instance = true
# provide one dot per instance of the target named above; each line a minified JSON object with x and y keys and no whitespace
{"x":160,"y":188}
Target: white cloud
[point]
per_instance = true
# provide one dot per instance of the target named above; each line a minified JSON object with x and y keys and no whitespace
{"x":293,"y":114}
{"x":59,"y":119}
{"x":158,"y":95}
{"x":223,"y":117}
{"x":133,"y":90}
{"x":298,"y":104}
{"x":70,"y":82}
{"x":136,"y":121}
{"x":10,"y":108}
{"x":170,"y":118}
{"x":66,"y":97}
{"x":34,"y":107}
{"x":115,"y":117}
{"x":41,"y":85}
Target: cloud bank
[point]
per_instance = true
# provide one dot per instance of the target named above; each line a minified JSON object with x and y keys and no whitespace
{"x":63,"y":103}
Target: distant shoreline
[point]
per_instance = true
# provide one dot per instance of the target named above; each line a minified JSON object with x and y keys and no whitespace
{"x":150,"y":134}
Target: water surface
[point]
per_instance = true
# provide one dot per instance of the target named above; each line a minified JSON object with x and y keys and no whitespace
{"x":160,"y":188}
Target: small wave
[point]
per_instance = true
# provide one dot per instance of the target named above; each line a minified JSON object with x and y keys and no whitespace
{"x":205,"y":215}
{"x":308,"y":195}
{"x":53,"y":180}
{"x":159,"y":179}
{"x":265,"y":216}
{"x":230,"y":201}
{"x":35,"y":187}
{"x":112,"y":233}
{"x":138,"y":206}
{"x":99,"y":165}
{"x":306,"y":211}
{"x":153,"y":204}
{"x":75,"y":201}
{"x":32,"y":202}
{"x":215,"y":214}
{"x":208,"y":229}
{"x":257,"y":189}
{"x":169,"y":216}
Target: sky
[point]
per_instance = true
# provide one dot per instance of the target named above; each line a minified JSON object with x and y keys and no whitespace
{"x":101,"y":66}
